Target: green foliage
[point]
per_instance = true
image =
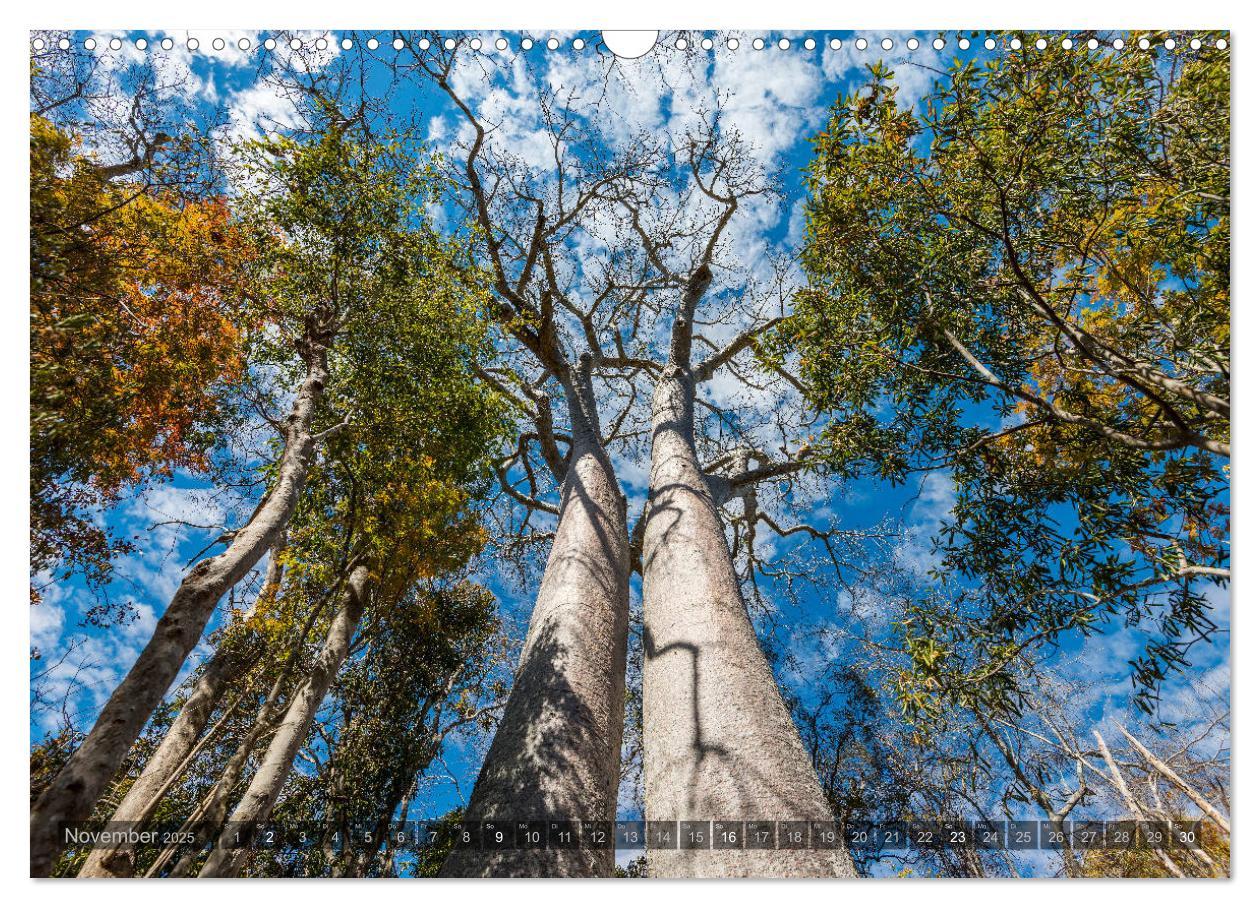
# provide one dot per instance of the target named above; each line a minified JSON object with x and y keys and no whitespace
{"x":1027,"y":285}
{"x":422,"y":672}
{"x":135,"y":293}
{"x":407,"y":431}
{"x":340,"y":219}
{"x":635,"y":869}
{"x":349,"y":267}
{"x":429,"y":860}
{"x":353,"y":261}
{"x":49,"y":756}
{"x":393,"y":697}
{"x":350,"y":264}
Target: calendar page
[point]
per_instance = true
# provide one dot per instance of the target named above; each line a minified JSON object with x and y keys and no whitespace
{"x":679,"y":454}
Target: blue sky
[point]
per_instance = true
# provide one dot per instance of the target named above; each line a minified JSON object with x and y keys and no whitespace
{"x":776,"y":98}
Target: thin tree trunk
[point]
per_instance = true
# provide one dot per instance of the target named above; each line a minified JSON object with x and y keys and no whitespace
{"x":1139,"y":815}
{"x":180,"y":739}
{"x":970,"y":865}
{"x":718,"y":743}
{"x":1167,"y":772}
{"x":260,"y":797}
{"x":1056,"y":816}
{"x":1071,"y":865}
{"x":74,"y":792}
{"x":557,"y":750}
{"x":207,"y":819}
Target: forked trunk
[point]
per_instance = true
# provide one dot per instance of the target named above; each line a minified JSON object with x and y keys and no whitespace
{"x":557,"y":749}
{"x":718,"y":743}
{"x":264,"y":788}
{"x":74,"y":792}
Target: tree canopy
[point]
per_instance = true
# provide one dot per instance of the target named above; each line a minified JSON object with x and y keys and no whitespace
{"x":135,"y":293}
{"x":904,"y":389}
{"x":1026,"y":285}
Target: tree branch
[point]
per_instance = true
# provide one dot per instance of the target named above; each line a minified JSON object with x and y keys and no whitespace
{"x":742,"y":342}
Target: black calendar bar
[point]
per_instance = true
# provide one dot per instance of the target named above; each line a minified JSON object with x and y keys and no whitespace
{"x":859,"y":835}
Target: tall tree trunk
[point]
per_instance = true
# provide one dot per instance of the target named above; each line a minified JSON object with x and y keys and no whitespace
{"x":557,"y":750}
{"x":208,"y":817}
{"x":718,"y":743}
{"x":260,"y":797}
{"x":74,"y":792}
{"x":180,"y":739}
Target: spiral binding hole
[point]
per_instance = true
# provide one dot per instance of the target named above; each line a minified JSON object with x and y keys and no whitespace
{"x":681,"y":42}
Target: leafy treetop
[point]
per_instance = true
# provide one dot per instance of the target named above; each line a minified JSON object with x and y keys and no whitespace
{"x":1027,"y":285}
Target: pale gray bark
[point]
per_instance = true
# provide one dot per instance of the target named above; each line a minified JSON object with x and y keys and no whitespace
{"x":264,"y":788}
{"x":1168,"y":773}
{"x":212,"y":811}
{"x":209,"y":815}
{"x":1043,"y":798}
{"x":178,"y":743}
{"x":74,"y":792}
{"x":718,"y":742}
{"x":1135,"y":809}
{"x":557,"y":749}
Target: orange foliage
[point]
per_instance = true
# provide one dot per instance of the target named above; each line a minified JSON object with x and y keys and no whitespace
{"x":134,"y":336}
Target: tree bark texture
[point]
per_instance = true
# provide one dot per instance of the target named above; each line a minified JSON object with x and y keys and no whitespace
{"x":718,"y":741}
{"x":74,"y":792}
{"x":179,"y":741}
{"x":557,"y":750}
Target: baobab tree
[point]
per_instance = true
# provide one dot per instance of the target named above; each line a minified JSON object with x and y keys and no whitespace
{"x":616,"y":254}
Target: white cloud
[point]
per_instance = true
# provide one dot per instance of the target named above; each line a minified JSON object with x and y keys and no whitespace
{"x":930,"y":510}
{"x":771,"y":98}
{"x":260,"y":109}
{"x":48,"y":620}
